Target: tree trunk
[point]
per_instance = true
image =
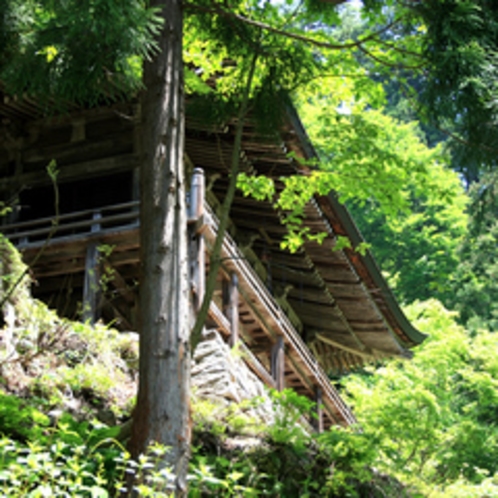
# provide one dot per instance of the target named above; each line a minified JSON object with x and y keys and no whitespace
{"x":162,"y":411}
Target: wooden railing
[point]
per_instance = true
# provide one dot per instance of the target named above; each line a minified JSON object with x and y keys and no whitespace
{"x":252,"y":361}
{"x":276,"y":322}
{"x":109,"y":219}
{"x":73,"y":225}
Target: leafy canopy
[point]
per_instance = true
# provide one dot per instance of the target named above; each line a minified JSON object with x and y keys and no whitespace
{"x":79,"y":51}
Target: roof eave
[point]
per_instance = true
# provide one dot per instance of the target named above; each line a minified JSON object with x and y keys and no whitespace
{"x":407,"y":335}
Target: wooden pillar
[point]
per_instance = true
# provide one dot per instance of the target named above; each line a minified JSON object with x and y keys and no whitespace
{"x":91,"y":286}
{"x":197,"y":194}
{"x":278,"y":363}
{"x":318,"y":423}
{"x":231,"y":306}
{"x":197,"y":244}
{"x":96,"y":227}
{"x":135,"y":185}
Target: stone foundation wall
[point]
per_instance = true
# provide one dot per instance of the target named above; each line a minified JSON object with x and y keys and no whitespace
{"x":220,"y":375}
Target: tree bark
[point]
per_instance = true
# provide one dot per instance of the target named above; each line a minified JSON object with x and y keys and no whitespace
{"x":162,"y":411}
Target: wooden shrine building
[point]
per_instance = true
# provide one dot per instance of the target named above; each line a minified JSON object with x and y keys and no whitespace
{"x":299,"y":317}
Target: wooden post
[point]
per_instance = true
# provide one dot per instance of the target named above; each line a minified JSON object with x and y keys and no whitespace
{"x":197,"y":194}
{"x":318,"y":423}
{"x":97,"y":216}
{"x":231,"y":306}
{"x":135,"y":185}
{"x":197,"y":244}
{"x":278,"y":363}
{"x":91,"y":286}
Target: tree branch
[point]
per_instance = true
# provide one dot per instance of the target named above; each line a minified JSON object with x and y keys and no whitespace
{"x":215,"y":261}
{"x":52,"y":172}
{"x":288,"y":34}
{"x":405,"y":51}
{"x":388,"y":63}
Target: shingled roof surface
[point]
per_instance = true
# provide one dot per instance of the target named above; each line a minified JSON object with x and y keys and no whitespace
{"x":347,"y":314}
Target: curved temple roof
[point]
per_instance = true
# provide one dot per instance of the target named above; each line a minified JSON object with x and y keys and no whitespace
{"x":337,"y":299}
{"x":343,"y":224}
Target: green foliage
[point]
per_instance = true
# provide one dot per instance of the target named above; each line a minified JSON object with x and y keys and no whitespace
{"x":53,"y":360}
{"x":74,"y":50}
{"x":20,"y":420}
{"x":259,"y":187}
{"x":418,"y":248}
{"x":434,"y":418}
{"x":460,"y":93}
{"x":366,"y":154}
{"x":85,"y":459}
{"x":372,"y":159}
{"x":77,"y":459}
{"x":289,"y":409}
{"x":287,"y":459}
{"x":475,"y":286}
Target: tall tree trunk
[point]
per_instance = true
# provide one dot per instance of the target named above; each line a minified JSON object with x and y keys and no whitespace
{"x":162,"y":411}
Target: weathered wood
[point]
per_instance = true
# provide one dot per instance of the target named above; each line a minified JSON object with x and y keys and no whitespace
{"x":197,"y":256}
{"x":278,"y":363}
{"x":259,"y":302}
{"x":231,"y":306}
{"x":197,"y":194}
{"x":77,"y":214}
{"x":112,"y":164}
{"x":197,"y":245}
{"x":91,"y":286}
{"x":120,"y":315}
{"x":79,"y":131}
{"x":96,"y":225}
{"x":163,"y":409}
{"x":120,"y":285}
{"x":248,"y":354}
{"x":366,"y":353}
{"x":89,"y":224}
{"x":70,"y":151}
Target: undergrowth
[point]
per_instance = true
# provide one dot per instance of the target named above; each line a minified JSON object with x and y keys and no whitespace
{"x":67,"y":390}
{"x":39,"y":458}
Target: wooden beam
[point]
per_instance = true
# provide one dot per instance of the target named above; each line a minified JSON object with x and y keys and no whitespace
{"x":78,"y":133}
{"x":120,"y":285}
{"x":231,"y":306}
{"x":124,"y":322}
{"x":319,"y":410}
{"x":278,"y":363}
{"x":112,"y":164}
{"x":91,"y":286}
{"x":366,"y":353}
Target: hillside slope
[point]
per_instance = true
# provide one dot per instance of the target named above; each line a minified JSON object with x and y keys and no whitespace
{"x":67,"y":392}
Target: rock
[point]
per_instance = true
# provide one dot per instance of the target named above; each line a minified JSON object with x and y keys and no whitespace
{"x":220,"y":376}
